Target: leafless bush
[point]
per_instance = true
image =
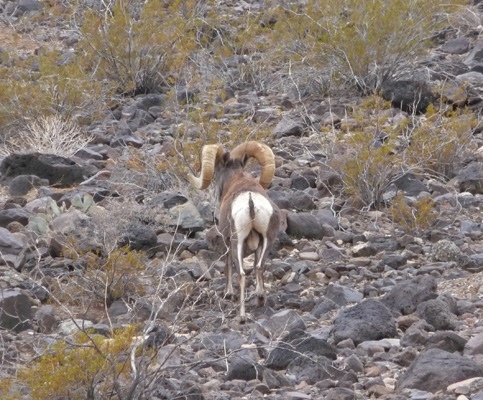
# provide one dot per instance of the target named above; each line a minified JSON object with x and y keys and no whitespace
{"x":51,"y":134}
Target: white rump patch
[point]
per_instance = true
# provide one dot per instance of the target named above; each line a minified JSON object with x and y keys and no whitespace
{"x":240,"y":212}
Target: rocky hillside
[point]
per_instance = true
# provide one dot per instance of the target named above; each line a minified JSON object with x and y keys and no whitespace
{"x":112,"y":268}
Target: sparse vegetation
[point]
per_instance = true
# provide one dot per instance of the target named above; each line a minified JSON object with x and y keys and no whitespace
{"x":139,"y":51}
{"x":85,"y":369}
{"x":362,"y":43}
{"x":418,"y":216}
{"x":172,"y":76}
{"x":51,"y":135}
{"x":374,"y":153}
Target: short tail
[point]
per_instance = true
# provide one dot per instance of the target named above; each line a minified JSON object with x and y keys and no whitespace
{"x":251,"y":206}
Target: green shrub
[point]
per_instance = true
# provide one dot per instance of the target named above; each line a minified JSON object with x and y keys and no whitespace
{"x":93,"y":367}
{"x":28,"y":94}
{"x":367,"y":166}
{"x":138,"y":51}
{"x":364,"y":43}
{"x":374,"y":153}
{"x":416,"y":217}
{"x":440,"y":141}
{"x":116,"y":276}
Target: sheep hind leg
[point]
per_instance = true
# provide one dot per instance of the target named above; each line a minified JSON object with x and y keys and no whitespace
{"x":260,"y":257}
{"x":242,"y":277}
{"x":229,"y":292}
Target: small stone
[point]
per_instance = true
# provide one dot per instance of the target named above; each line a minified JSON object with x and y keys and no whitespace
{"x":309,"y":256}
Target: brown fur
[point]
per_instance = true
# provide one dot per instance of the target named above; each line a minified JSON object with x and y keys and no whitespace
{"x":233,"y":182}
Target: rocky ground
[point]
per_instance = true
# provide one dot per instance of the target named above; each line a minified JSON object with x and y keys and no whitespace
{"x":357,"y":308}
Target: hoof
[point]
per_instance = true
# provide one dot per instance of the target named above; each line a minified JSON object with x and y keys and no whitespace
{"x":243,"y":319}
{"x":230,"y":296}
{"x":260,"y":300}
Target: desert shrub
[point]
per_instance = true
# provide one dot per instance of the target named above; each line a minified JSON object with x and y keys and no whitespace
{"x":440,"y":141}
{"x":375,"y":152}
{"x":7,"y":391}
{"x":365,"y":157}
{"x":89,"y":368}
{"x":417,"y":216}
{"x":29,"y":93}
{"x":139,"y":48}
{"x":115,"y":276}
{"x":143,"y":171}
{"x":364,"y":43}
{"x":104,"y":279}
{"x":51,"y":134}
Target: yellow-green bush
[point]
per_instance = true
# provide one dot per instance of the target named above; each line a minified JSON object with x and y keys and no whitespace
{"x":140,"y":53}
{"x":417,"y":217}
{"x":93,"y":367}
{"x":362,"y":42}
{"x":106,"y":278}
{"x":435,"y":144}
{"x":116,"y":276}
{"x":367,"y":164}
{"x":440,"y":141}
{"x":28,"y":93}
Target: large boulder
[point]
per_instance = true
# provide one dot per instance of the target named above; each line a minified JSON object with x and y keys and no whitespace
{"x":435,"y":369}
{"x":309,"y":226}
{"x":405,"y":297}
{"x":409,"y":96}
{"x":19,"y":215}
{"x":368,"y":320}
{"x":22,"y":184}
{"x":15,"y":310}
{"x":296,"y":343}
{"x":437,"y":313}
{"x":59,"y":171}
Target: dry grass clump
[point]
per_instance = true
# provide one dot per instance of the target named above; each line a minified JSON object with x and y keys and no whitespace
{"x":50,"y":134}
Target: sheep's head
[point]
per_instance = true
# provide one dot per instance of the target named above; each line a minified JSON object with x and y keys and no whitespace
{"x":212,"y":155}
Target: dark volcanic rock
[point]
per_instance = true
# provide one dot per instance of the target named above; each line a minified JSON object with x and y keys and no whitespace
{"x":281,"y":323}
{"x":139,"y":237}
{"x":456,"y":46}
{"x":368,"y":320}
{"x":406,"y":296}
{"x":296,"y":343}
{"x":437,"y":313}
{"x":305,"y":225}
{"x":14,"y":215}
{"x":15,"y":310}
{"x":244,"y":366}
{"x":447,"y":341}
{"x":471,"y":178}
{"x":9,"y":244}
{"x":288,"y":127}
{"x":435,"y":369}
{"x":22,"y":184}
{"x":410,"y":185}
{"x":409,"y":96}
{"x":58,"y":170}
{"x":343,"y":295}
{"x":313,"y":369}
{"x":323,"y":306}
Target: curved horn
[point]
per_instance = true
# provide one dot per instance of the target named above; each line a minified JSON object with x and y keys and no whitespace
{"x":210,"y":155}
{"x":264,"y":156}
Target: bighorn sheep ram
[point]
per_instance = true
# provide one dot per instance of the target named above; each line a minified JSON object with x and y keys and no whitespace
{"x":248,"y":219}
